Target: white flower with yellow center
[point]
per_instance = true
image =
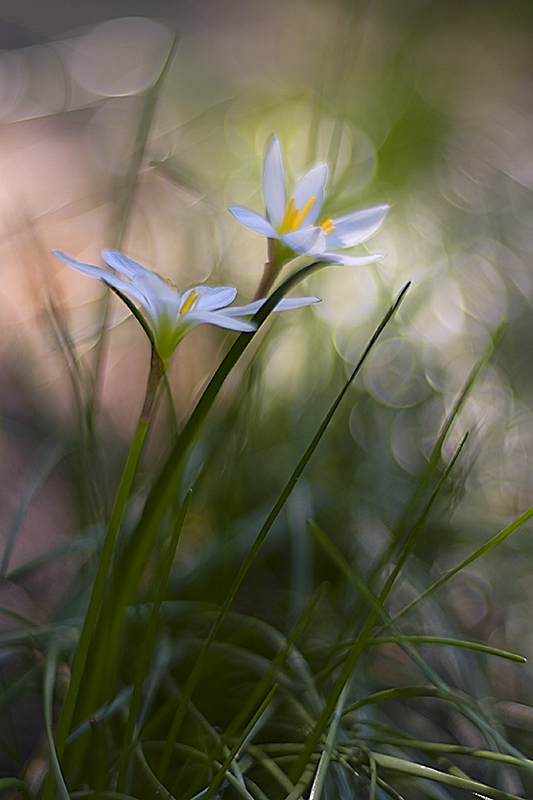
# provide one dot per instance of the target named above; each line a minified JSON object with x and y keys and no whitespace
{"x":170,"y":314}
{"x":296,"y":222}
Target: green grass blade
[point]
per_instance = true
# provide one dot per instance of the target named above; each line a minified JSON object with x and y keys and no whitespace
{"x":149,"y":640}
{"x":443,"y":640}
{"x":323,"y":765}
{"x":48,"y":699}
{"x":93,"y":611}
{"x":404,"y":767}
{"x":496,"y":540}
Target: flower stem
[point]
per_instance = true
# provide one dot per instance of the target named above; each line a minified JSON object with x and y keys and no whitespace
{"x":270,"y":272}
{"x":106,"y":558}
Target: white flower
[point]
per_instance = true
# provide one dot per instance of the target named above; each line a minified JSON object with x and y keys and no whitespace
{"x":172,"y":315}
{"x":295,"y":222}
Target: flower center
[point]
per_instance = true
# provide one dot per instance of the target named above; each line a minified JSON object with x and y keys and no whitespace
{"x":294,"y":217}
{"x":190,"y":302}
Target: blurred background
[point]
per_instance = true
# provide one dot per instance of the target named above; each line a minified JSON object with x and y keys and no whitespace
{"x":423,"y":104}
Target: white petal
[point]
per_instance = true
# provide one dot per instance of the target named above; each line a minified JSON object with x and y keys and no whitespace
{"x":274,"y":183}
{"x":350,"y":261}
{"x":311,"y":241}
{"x":284,"y":305}
{"x":222,"y":320}
{"x":210,"y":299}
{"x":287,"y":304}
{"x":356,"y":227}
{"x":311,"y":186}
{"x":124,"y":264}
{"x":101,"y":274}
{"x":87,"y":269}
{"x":146,"y":286}
{"x":253,"y":221}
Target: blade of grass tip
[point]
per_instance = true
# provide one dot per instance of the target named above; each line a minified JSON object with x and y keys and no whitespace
{"x":496,"y":540}
{"x":434,"y":459}
{"x":198,"y":668}
{"x":130,"y":732}
{"x":323,"y":765}
{"x":48,"y":700}
{"x":443,"y":640}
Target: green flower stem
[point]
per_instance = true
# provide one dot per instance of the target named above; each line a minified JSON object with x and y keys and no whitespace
{"x":156,"y":375}
{"x":277,"y":256}
{"x":271,"y":271}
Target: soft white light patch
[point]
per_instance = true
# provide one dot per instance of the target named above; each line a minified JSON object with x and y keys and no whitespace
{"x":120,"y":57}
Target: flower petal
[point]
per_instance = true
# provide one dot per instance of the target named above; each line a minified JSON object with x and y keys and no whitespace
{"x":153,"y":292}
{"x":284,"y":305}
{"x":253,"y":221}
{"x":211,"y":298}
{"x":356,"y":227}
{"x":124,"y":264}
{"x":274,"y":183}
{"x":311,"y":186}
{"x":310,"y":241}
{"x":222,"y":320}
{"x":346,"y":260}
{"x":101,"y":274}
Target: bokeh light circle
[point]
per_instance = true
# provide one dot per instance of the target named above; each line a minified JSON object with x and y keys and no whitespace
{"x":121,"y":56}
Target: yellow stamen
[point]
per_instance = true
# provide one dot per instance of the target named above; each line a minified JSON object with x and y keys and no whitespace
{"x":294,"y":217}
{"x":285,"y":226}
{"x":189,"y":303}
{"x":303,"y":213}
{"x":171,"y":285}
{"x":327,"y":226}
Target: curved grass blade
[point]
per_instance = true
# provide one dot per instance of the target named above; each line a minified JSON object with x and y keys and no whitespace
{"x":48,"y":699}
{"x":325,"y":758}
{"x":45,"y":462}
{"x":443,"y":640}
{"x":404,"y":767}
